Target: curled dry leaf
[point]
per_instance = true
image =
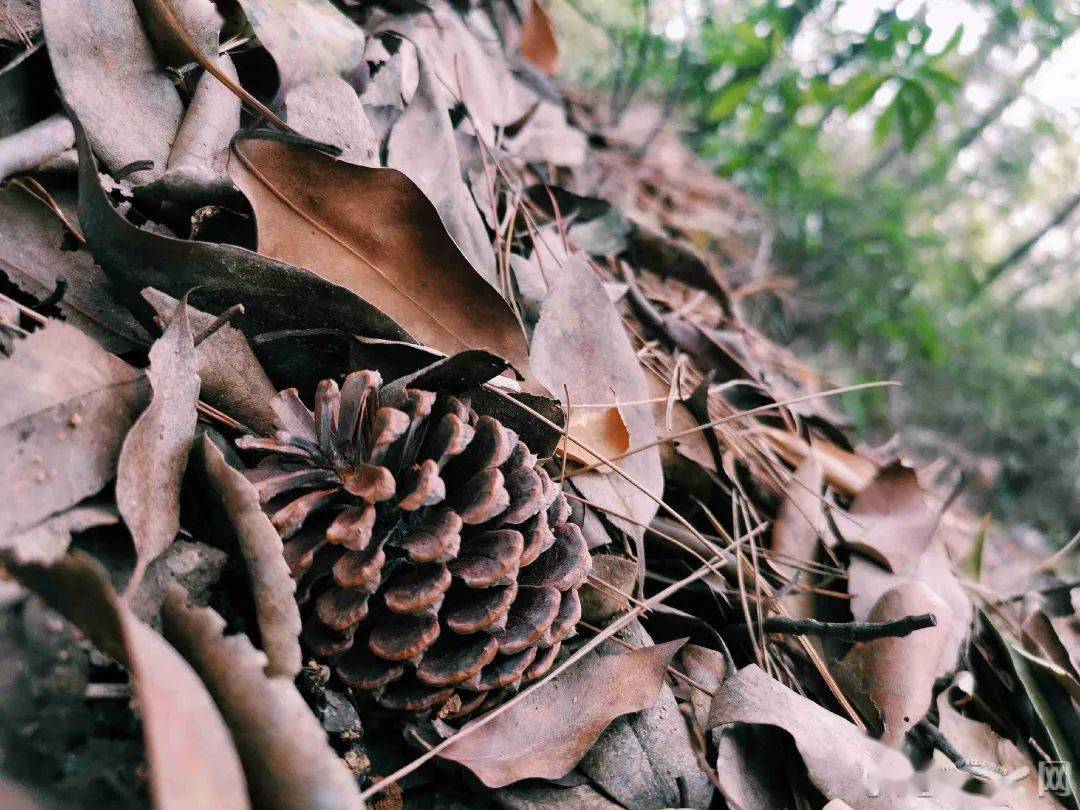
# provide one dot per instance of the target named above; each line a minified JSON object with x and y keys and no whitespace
{"x":842,"y":762}
{"x":110,"y":79}
{"x":799,"y":524}
{"x":225,"y":275}
{"x":601,"y":428}
{"x":890,"y":520}
{"x":196,"y":171}
{"x":307,"y":38}
{"x":898,"y":674}
{"x":580,"y":342}
{"x":547,"y":733}
{"x":260,"y":544}
{"x":233,"y":380}
{"x":155,"y":452}
{"x":287,"y":759}
{"x":611,"y":576}
{"x":27,"y":149}
{"x":193,"y":764}
{"x":373,"y":231}
{"x":66,"y":408}
{"x":538,"y":45}
{"x":32,"y":258}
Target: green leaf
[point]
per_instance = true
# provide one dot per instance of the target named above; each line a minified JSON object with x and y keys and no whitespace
{"x":729,"y":99}
{"x":861,"y":89}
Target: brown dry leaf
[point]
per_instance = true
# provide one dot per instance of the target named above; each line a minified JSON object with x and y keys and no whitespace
{"x":646,"y":760}
{"x":374,"y":232}
{"x":199,"y":18}
{"x":707,"y":667}
{"x":233,"y":380}
{"x":193,"y":764}
{"x":423,"y":146}
{"x":538,"y":45}
{"x":600,"y":428}
{"x":547,"y":733}
{"x":890,"y":520}
{"x":260,"y":544}
{"x":845,"y":472}
{"x":868,"y":582}
{"x":32,"y":258}
{"x":677,"y":418}
{"x":307,"y":38}
{"x":543,"y":796}
{"x":898,"y":674}
{"x":66,"y":408}
{"x":287,"y":759}
{"x":155,"y":452}
{"x":110,"y":79}
{"x":580,"y":342}
{"x":995,"y":759}
{"x":799,"y":524}
{"x":600,"y":602}
{"x":223,"y":274}
{"x":842,"y":762}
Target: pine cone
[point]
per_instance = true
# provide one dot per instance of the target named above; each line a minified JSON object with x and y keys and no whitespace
{"x":434,"y":558}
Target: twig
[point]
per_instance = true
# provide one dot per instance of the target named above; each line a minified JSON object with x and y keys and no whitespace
{"x":848,"y":631}
{"x":941,"y":743}
{"x":219,"y":321}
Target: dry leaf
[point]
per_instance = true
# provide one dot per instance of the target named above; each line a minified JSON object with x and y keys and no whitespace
{"x":327,"y":109}
{"x":547,"y":733}
{"x":374,"y":232}
{"x":799,"y":524}
{"x":260,"y":544}
{"x":28,"y":148}
{"x":198,"y":18}
{"x":422,"y":145}
{"x":580,"y":342}
{"x":708,"y":668}
{"x":286,"y":756}
{"x":898,"y":674}
{"x":196,"y":171}
{"x":135,"y":259}
{"x":49,"y":540}
{"x":66,"y":409}
{"x":845,"y":472}
{"x":842,"y":762}
{"x":307,"y":38}
{"x":110,"y":79}
{"x":542,"y":796}
{"x":31,"y":255}
{"x":600,"y":602}
{"x":890,"y":520}
{"x":155,"y":452}
{"x":193,"y":764}
{"x":600,"y":428}
{"x":538,"y":45}
{"x":996,"y":759}
{"x":646,"y":760}
{"x":233,"y":380}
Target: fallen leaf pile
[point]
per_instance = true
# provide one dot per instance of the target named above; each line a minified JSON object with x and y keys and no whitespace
{"x":538,"y":518}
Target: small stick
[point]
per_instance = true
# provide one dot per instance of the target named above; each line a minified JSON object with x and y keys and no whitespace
{"x":848,"y":631}
{"x":219,"y":321}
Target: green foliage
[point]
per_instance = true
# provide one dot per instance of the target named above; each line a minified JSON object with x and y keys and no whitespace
{"x":854,"y":155}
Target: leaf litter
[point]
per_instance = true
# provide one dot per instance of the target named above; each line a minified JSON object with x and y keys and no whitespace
{"x":439,"y":206}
